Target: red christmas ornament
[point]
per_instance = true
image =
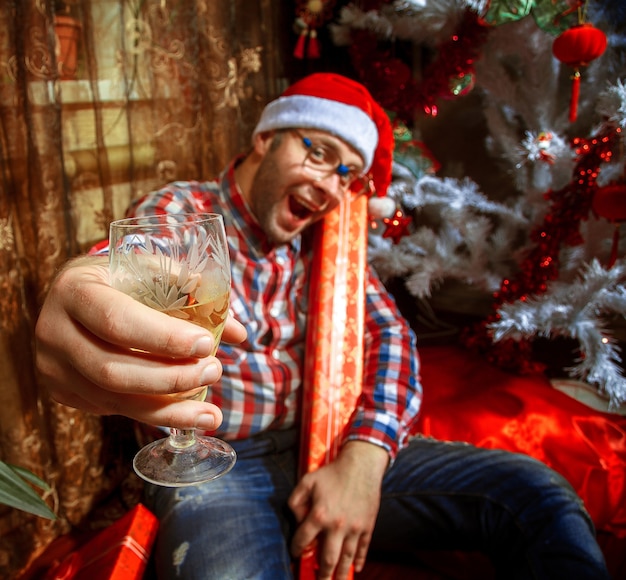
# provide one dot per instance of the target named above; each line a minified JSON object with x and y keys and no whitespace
{"x":310,"y":16}
{"x":397,"y":226}
{"x":609,"y":202}
{"x":390,"y":79}
{"x":577,"y":47}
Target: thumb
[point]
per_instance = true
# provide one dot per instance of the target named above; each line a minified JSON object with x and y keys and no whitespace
{"x":300,"y":501}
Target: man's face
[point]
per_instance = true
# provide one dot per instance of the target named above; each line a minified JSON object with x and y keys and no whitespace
{"x":285,"y":196}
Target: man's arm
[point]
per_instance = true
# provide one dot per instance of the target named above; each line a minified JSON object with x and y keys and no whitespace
{"x":392,"y":393}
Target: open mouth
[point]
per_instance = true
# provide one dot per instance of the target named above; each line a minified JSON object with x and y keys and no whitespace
{"x":300,"y":208}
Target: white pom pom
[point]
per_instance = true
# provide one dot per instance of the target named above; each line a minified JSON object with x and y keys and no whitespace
{"x":381,"y":207}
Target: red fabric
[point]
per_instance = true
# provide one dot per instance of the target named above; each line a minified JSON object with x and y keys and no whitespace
{"x":466,"y":399}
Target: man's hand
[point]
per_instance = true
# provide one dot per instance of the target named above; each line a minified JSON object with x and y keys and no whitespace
{"x":336,"y":507}
{"x":103,"y":352}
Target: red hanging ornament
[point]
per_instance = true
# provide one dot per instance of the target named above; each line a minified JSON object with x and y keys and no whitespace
{"x":609,"y":202}
{"x":397,"y":226}
{"x":313,"y":50}
{"x":577,"y":47}
{"x":310,"y":16}
{"x":298,"y":51}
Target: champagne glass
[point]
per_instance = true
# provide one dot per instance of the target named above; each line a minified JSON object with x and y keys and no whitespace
{"x":178,"y":264}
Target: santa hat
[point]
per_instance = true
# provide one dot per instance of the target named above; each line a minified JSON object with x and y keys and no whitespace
{"x":343,"y":107}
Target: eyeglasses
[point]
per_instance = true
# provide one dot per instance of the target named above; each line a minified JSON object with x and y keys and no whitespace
{"x":322,"y":161}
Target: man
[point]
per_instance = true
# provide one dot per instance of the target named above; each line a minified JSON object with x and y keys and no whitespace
{"x":311,"y":148}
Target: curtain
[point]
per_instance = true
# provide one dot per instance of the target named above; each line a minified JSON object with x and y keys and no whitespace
{"x":100,"y":102}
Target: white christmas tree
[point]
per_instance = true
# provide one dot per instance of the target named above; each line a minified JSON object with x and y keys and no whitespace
{"x":459,"y":233}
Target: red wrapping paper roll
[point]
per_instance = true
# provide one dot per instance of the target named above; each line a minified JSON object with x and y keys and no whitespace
{"x":334,"y":351}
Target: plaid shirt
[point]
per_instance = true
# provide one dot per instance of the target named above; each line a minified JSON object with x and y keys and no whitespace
{"x":259,"y":389}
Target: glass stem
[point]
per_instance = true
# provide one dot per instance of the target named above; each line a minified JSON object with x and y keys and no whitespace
{"x":182,"y":438}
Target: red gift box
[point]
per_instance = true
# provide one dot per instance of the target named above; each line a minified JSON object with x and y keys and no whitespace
{"x":119,"y":552}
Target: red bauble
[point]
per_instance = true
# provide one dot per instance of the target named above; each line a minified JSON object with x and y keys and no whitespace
{"x":609,"y":202}
{"x":577,"y":47}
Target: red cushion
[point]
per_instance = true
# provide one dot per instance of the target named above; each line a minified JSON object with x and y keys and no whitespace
{"x":467,"y":399}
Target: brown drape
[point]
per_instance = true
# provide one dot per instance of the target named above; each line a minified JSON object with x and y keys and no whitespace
{"x":159,"y":90}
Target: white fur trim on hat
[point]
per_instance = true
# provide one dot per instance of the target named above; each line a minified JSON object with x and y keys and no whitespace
{"x":347,"y":122}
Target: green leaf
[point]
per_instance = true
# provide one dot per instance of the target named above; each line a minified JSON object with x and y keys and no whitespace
{"x":17,"y":493}
{"x":30,"y":477}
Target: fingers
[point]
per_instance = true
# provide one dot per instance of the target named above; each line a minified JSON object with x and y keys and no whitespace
{"x":118,"y":319}
{"x":337,"y":547}
{"x":150,"y":409}
{"x":338,"y":529}
{"x":84,"y":296}
{"x":139,"y":373}
{"x":70,"y":346}
{"x":310,"y":524}
{"x":234,"y":331}
{"x":300,"y":501}
{"x":337,"y":556}
{"x":338,"y":551}
{"x":361,"y":552}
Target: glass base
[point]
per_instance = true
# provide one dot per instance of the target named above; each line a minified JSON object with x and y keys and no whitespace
{"x":161,"y":463}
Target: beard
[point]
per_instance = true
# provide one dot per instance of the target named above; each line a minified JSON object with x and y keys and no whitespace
{"x":271,"y":204}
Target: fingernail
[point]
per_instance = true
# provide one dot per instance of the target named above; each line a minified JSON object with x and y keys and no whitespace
{"x":202,"y":347}
{"x":210,"y":374}
{"x":206,"y":422}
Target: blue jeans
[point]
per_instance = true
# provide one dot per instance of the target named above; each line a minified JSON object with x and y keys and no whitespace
{"x":436,"y":496}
